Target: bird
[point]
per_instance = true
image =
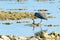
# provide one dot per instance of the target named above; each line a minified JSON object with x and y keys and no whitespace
{"x":40,"y":15}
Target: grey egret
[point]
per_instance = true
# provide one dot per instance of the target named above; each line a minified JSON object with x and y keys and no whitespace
{"x":39,"y":15}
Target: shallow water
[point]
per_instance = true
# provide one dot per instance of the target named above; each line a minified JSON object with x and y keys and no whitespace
{"x":31,"y":5}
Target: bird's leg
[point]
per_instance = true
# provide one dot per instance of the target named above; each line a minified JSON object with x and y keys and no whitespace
{"x":33,"y":25}
{"x":41,"y":21}
{"x":41,"y":29}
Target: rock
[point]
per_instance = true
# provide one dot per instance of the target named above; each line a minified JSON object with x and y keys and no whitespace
{"x":1,"y":39}
{"x":45,"y":35}
{"x":5,"y":37}
{"x":22,"y":38}
{"x":12,"y":37}
{"x":38,"y":37}
{"x":33,"y":38}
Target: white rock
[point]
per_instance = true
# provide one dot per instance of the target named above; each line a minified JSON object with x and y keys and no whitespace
{"x":12,"y":37}
{"x":22,"y":38}
{"x":46,"y":35}
{"x":33,"y":38}
{"x":5,"y":37}
{"x":16,"y":38}
{"x":1,"y":39}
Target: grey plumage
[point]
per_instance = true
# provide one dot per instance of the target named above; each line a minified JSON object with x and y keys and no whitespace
{"x":40,"y":15}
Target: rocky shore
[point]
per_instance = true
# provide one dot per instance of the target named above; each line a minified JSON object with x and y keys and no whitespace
{"x":45,"y":36}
